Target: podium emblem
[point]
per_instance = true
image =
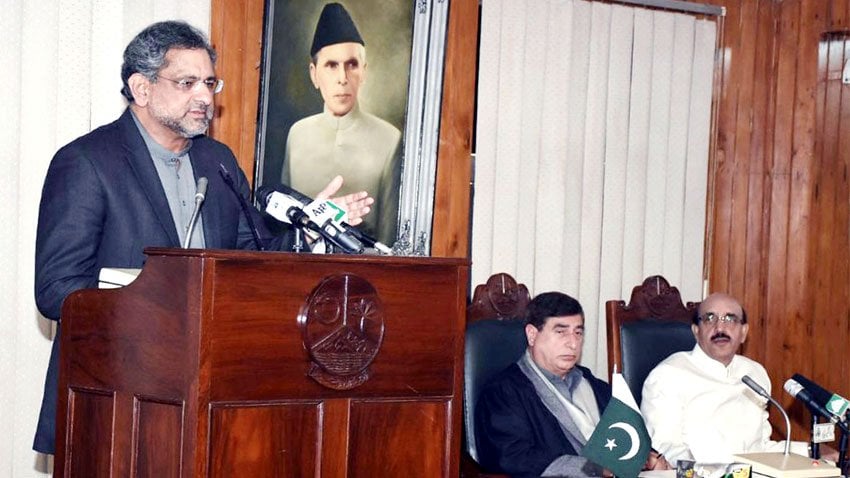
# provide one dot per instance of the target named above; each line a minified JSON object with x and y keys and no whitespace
{"x":342,"y":326}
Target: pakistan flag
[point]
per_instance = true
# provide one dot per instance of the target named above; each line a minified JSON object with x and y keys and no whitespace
{"x":620,"y":441}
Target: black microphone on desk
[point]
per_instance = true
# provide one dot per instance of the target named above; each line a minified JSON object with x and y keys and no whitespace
{"x":243,"y":204}
{"x":785,"y":464}
{"x":200,"y":195}
{"x":305,"y":200}
{"x":797,"y":391}
{"x":831,"y":402}
{"x":313,"y":217}
{"x":761,"y":391}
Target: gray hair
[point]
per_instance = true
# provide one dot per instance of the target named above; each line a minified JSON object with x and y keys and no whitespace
{"x":146,"y":52}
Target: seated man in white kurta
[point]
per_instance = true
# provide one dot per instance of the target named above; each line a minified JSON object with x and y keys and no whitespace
{"x":694,"y":403}
{"x":343,"y":139}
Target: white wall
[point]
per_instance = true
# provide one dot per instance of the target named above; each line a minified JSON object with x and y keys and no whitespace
{"x":60,"y":66}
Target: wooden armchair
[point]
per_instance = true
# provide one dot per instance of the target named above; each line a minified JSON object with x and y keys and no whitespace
{"x":495,"y":338}
{"x":654,"y":324}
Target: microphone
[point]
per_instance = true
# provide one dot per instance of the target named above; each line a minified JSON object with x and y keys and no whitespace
{"x":797,"y":391}
{"x":243,"y":204}
{"x":832,"y":402}
{"x":755,"y":386}
{"x":305,"y":200}
{"x":286,"y":208}
{"x":200,"y":195}
{"x":327,"y":216}
{"x":761,"y":391}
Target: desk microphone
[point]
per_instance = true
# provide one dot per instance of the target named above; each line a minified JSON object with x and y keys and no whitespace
{"x":834,"y":404}
{"x":307,"y":201}
{"x":831,"y":402}
{"x":797,"y":391}
{"x":314,"y":217}
{"x":200,"y":195}
{"x":761,"y":391}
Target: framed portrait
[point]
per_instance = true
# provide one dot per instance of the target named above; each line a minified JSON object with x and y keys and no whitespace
{"x":353,"y":88}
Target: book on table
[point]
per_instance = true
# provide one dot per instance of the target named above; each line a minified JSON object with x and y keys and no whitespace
{"x":114,"y":277}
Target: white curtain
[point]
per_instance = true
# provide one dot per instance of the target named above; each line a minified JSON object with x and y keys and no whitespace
{"x":591,"y":166}
{"x":60,"y":64}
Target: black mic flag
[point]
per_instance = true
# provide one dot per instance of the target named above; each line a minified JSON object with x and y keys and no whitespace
{"x":833,"y":403}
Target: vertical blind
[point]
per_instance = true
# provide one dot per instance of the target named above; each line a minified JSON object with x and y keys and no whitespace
{"x":592,"y":143}
{"x":60,"y":77}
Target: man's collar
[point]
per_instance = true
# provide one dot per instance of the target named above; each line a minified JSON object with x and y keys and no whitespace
{"x":341,"y":122}
{"x":571,"y":379}
{"x":702,"y":359}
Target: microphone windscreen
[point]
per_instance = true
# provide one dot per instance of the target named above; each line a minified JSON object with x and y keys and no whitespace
{"x":816,"y":391}
{"x":267,"y":189}
{"x":754,"y":386}
{"x":301,"y":197}
{"x":264,"y":193}
{"x":792,"y":387}
{"x":202,"y":188}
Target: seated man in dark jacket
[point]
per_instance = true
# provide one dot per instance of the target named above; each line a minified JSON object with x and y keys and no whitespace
{"x":534,"y":417}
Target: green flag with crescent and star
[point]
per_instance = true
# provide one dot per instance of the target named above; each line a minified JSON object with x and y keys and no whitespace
{"x":620,"y":441}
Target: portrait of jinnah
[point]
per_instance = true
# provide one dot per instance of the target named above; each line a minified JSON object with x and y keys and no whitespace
{"x":345,"y":132}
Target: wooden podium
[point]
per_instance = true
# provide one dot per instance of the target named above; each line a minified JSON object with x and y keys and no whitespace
{"x":231,"y":364}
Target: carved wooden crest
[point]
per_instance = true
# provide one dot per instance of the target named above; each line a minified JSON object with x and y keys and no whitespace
{"x":342,"y":327}
{"x":500,"y":297}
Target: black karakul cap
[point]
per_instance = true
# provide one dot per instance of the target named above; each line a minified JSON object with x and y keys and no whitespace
{"x":335,"y":26}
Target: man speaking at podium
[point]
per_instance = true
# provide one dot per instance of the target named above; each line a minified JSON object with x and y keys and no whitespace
{"x":131,"y":184}
{"x":695,"y":405}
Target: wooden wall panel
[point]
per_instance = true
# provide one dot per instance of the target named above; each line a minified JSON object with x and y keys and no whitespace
{"x":830,"y":225}
{"x":452,"y":200}
{"x":237,"y":35}
{"x":778,"y":236}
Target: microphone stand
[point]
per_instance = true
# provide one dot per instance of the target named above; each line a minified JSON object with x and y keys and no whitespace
{"x":814,"y":446}
{"x":228,"y":179}
{"x":842,"y":449}
{"x":761,"y":391}
{"x":787,"y":424}
{"x":200,"y":195}
{"x":192,"y":222}
{"x":298,"y":243}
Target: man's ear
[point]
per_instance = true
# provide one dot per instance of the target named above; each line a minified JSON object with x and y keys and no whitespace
{"x":744,"y":329}
{"x":695,"y":330}
{"x":530,"y":334}
{"x":313,"y":77}
{"x":140,"y":88}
